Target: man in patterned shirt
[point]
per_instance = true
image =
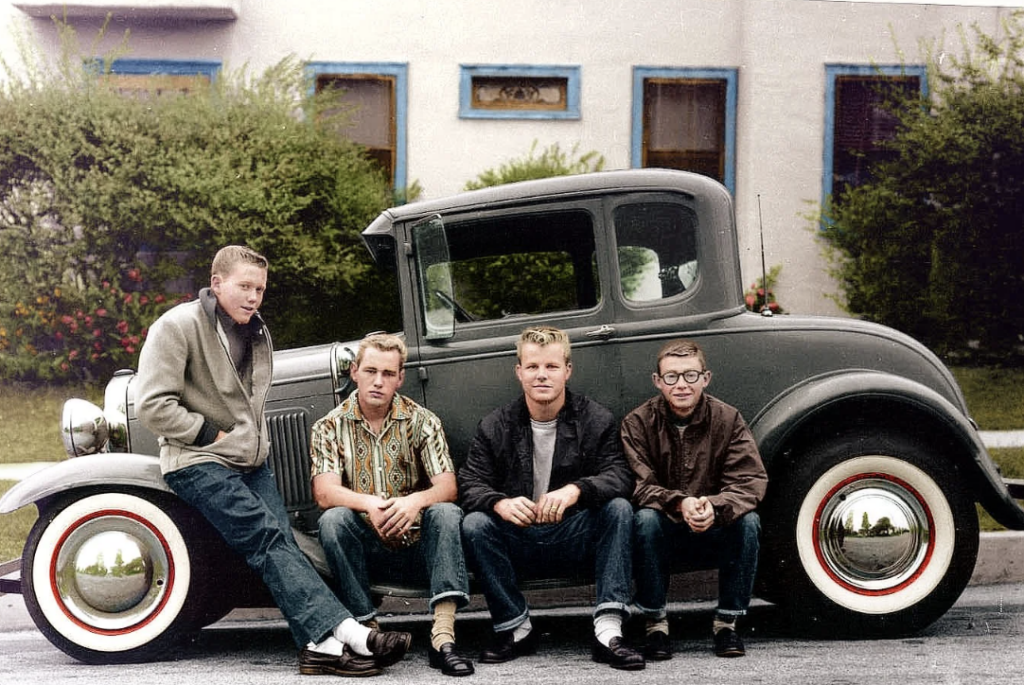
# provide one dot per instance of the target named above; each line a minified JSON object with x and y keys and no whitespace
{"x":383,"y":475}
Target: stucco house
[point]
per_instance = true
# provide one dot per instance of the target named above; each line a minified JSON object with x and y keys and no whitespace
{"x":771,"y":97}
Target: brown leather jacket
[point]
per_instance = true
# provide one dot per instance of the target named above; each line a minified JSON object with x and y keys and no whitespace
{"x":716,"y":457}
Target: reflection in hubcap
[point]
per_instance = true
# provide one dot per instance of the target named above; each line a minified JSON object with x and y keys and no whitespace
{"x":112,"y":572}
{"x":873,"y":534}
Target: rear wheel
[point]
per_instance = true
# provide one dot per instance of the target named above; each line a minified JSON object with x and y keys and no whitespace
{"x":109,"y":577}
{"x":869,"y":534}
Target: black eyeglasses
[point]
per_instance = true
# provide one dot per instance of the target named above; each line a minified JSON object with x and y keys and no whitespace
{"x":671,"y":378}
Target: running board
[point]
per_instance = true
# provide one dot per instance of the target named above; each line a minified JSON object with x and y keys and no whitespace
{"x":10,"y":577}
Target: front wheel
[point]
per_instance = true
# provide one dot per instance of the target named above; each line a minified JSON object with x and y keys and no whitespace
{"x":109,"y":576}
{"x":869,"y":535}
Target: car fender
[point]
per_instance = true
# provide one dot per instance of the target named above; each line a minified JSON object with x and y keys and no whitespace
{"x":110,"y":470}
{"x":777,"y":425}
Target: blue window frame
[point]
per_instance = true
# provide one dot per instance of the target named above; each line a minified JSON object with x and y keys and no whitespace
{"x":391,"y":80}
{"x":517,"y":91}
{"x":685,"y":118}
{"x":875,"y":123}
{"x":166,"y":67}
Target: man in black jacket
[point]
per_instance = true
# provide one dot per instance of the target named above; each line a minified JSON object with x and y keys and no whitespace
{"x":545,"y":488}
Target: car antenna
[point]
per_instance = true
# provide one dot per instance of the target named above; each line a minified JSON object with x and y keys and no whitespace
{"x":765,"y":310}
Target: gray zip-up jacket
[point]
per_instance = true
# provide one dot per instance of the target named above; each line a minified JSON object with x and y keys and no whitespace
{"x":187,"y":389}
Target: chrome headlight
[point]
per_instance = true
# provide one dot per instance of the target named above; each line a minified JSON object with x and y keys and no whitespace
{"x":83,"y":428}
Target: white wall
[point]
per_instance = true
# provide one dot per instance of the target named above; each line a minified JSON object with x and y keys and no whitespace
{"x":779,"y":47}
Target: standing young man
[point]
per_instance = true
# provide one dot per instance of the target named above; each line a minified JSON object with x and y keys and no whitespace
{"x":545,"y":487}
{"x":699,"y":480}
{"x":204,"y":375}
{"x":384,"y":477}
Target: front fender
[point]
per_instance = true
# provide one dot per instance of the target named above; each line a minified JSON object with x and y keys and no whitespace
{"x":791,"y":413}
{"x":115,"y":469}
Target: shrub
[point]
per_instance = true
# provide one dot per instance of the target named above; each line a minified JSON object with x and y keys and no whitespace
{"x":117,"y":203}
{"x":932,"y":245}
{"x":552,"y":161}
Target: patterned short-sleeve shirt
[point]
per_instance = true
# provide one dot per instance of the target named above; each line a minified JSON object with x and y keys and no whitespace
{"x":410,"y":449}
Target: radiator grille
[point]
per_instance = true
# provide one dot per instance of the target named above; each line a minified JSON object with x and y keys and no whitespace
{"x":289,"y":459}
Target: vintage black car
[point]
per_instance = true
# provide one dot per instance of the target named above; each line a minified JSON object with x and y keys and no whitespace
{"x":869,"y":525}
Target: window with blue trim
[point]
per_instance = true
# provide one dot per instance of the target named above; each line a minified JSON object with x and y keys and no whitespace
{"x":154,"y":78}
{"x":685,"y":119}
{"x":519,"y":92}
{"x":373,"y":99}
{"x":860,"y":119}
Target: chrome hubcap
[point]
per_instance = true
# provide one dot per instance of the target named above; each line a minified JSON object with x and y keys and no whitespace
{"x":873,"y":534}
{"x":112,"y":572}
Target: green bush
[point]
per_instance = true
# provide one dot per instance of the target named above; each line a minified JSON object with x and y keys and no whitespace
{"x":932,"y":245}
{"x":552,"y":161}
{"x":116,"y":204}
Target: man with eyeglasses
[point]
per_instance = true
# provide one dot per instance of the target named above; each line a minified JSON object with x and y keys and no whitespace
{"x":699,"y":479}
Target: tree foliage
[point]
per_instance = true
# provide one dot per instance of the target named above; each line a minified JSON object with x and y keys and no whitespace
{"x":934,"y":244}
{"x":112,"y":206}
{"x":552,"y":161}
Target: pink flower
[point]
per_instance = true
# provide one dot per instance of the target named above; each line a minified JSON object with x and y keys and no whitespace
{"x":122,"y":327}
{"x":128,"y":298}
{"x":97,"y":333}
{"x":101,"y":312}
{"x":73,"y":354}
{"x":133,"y":275}
{"x":159,"y":299}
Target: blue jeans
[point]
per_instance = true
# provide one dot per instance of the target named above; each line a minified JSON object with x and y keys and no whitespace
{"x":248,"y":512}
{"x":660,"y":542}
{"x":355,"y":553}
{"x":591,"y":543}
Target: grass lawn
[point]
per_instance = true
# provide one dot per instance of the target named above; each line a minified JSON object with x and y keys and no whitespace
{"x":14,"y":527}
{"x":30,"y":420}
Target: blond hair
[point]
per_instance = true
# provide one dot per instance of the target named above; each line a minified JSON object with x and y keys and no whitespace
{"x":544,"y":335}
{"x":383,"y":342}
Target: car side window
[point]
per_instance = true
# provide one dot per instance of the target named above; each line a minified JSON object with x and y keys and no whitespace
{"x":657,"y":250}
{"x":522,"y":265}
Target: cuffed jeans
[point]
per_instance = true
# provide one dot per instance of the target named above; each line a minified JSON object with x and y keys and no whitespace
{"x":659,"y":542}
{"x":594,"y":542}
{"x":248,"y":512}
{"x":353,"y":548}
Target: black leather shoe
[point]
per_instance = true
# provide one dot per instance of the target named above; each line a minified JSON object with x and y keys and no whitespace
{"x":618,"y":655}
{"x":348,"y":664}
{"x":388,"y":647}
{"x":449,"y":661}
{"x":658,"y":647}
{"x":728,"y":643}
{"x":504,"y":647}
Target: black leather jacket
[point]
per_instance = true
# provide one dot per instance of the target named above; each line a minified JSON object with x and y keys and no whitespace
{"x":588,"y":453}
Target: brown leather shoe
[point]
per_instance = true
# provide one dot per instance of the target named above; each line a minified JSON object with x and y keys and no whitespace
{"x":348,"y":664}
{"x":449,"y":661}
{"x":505,"y":648}
{"x":388,"y":647}
{"x":618,"y":655}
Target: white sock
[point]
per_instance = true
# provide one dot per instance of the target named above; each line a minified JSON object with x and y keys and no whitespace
{"x":522,"y":630}
{"x":607,"y":624}
{"x":329,"y":646}
{"x":352,"y":633}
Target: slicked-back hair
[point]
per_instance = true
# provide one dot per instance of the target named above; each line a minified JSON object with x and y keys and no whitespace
{"x":682,"y":348}
{"x":544,"y":335}
{"x":383,"y":342}
{"x":230,"y":256}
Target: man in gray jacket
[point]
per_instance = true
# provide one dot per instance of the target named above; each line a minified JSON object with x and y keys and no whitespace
{"x":204,"y":374}
{"x":699,"y":478}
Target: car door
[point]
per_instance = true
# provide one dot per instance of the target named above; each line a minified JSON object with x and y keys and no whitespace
{"x":509,"y":268}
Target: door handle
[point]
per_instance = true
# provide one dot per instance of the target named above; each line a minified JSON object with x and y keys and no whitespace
{"x":604,"y":331}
